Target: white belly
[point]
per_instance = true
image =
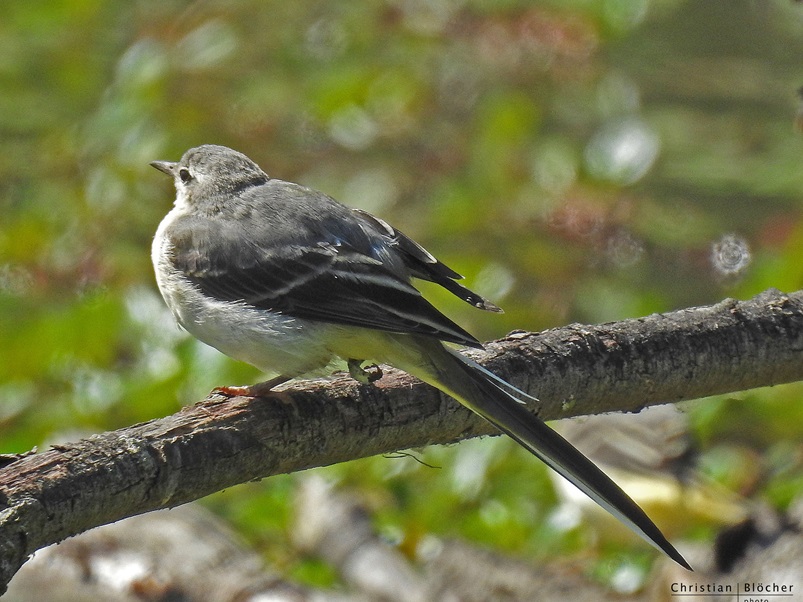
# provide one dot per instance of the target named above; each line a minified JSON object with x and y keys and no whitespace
{"x":272,"y":342}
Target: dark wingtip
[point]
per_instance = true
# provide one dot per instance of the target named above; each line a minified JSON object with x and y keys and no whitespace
{"x":488,"y":306}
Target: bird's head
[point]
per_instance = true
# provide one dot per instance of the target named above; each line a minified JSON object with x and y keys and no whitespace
{"x":209,"y":173}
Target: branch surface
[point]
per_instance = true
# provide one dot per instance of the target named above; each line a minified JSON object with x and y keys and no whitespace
{"x":219,"y":442}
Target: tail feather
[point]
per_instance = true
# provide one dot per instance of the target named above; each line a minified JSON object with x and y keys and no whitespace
{"x":502,"y":405}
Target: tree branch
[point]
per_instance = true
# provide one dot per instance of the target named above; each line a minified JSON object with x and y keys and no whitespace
{"x":217,"y":443}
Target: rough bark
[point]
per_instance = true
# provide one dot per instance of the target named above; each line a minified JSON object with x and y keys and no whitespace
{"x":219,"y":442}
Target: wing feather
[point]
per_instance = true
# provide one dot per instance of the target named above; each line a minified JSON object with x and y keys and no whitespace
{"x":348,"y":276}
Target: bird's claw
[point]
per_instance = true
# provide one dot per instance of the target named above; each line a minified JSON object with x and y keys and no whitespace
{"x":364,"y":374}
{"x":258,"y":390}
{"x":233,"y":391}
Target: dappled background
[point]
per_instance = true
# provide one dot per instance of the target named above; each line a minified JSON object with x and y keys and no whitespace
{"x":575,"y":161}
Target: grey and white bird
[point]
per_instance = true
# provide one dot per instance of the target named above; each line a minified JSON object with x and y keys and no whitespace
{"x":287,"y":279}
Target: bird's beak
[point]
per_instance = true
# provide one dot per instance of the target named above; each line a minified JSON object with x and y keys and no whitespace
{"x":167,"y":167}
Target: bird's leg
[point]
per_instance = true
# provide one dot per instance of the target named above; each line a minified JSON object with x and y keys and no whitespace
{"x":365,"y":375}
{"x":257,"y":390}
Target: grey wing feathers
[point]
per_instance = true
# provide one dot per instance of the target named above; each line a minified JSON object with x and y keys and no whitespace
{"x":348,"y":273}
{"x":424,"y":265}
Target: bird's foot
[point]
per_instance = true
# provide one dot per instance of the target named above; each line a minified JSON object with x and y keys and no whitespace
{"x":364,"y":374}
{"x":258,"y":390}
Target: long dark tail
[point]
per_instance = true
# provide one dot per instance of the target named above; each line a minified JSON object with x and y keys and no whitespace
{"x":503,"y":406}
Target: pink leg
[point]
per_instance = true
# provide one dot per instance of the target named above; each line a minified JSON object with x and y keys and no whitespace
{"x":257,"y":390}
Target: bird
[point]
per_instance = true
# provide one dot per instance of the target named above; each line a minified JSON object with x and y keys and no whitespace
{"x":288,"y":279}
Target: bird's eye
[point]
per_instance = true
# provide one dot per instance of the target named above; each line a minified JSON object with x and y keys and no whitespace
{"x":184,"y":174}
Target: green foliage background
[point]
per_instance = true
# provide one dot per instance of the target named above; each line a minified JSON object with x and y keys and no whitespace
{"x":577,"y":161}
